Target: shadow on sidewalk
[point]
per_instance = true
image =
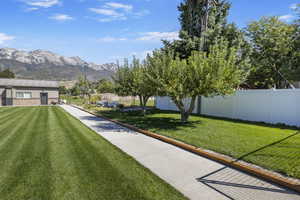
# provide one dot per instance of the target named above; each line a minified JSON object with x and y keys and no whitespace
{"x":237,"y":185}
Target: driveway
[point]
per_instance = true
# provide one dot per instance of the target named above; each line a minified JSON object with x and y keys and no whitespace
{"x":194,"y":176}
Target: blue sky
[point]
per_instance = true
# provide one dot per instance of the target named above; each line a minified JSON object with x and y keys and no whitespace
{"x":106,"y":30}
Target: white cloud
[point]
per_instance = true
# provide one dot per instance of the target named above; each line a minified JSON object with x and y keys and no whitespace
{"x":159,"y":36}
{"x":293,"y":6}
{"x":111,"y":39}
{"x":111,"y":15}
{"x":31,"y":9}
{"x":115,"y":5}
{"x":61,"y":17}
{"x":113,"y":11}
{"x":286,"y":18}
{"x":4,"y":38}
{"x":42,"y":3}
{"x":107,"y":12}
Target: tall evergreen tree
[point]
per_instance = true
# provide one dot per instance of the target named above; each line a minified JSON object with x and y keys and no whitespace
{"x":203,"y":22}
{"x":198,"y":16}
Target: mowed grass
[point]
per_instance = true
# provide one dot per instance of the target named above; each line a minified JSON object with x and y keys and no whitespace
{"x":45,"y":154}
{"x":270,"y":147}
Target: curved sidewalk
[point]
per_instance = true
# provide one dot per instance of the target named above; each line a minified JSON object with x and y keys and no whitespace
{"x":194,"y":176}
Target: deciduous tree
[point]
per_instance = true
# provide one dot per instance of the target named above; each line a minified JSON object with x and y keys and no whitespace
{"x":202,"y":74}
{"x":273,"y":55}
{"x":104,"y":86}
{"x":132,"y":80}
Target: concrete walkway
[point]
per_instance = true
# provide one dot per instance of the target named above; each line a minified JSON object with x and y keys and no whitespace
{"x":196,"y":177}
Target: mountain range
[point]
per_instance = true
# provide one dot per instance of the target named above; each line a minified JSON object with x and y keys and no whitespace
{"x":46,"y":65}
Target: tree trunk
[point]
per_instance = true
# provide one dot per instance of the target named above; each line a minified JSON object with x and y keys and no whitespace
{"x":185,"y":113}
{"x":143,"y":103}
{"x":184,"y":117}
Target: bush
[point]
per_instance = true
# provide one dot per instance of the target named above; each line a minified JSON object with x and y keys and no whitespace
{"x":95,"y":98}
{"x":120,"y":106}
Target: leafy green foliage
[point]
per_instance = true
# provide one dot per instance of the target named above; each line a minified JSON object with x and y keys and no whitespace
{"x":104,"y":86}
{"x":63,"y":90}
{"x":132,"y":80}
{"x":203,"y":24}
{"x":273,"y":55}
{"x":123,"y":80}
{"x":75,"y":91}
{"x":296,"y":47}
{"x":199,"y":16}
{"x":202,"y":74}
{"x":7,"y":74}
{"x":84,"y":88}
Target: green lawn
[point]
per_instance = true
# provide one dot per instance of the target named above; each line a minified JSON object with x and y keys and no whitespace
{"x":270,"y":147}
{"x":45,"y":154}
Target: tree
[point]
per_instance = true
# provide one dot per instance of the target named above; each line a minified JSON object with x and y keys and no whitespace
{"x":141,"y":83}
{"x":75,"y":91}
{"x":296,"y":46}
{"x":104,"y":86}
{"x":199,"y":16}
{"x":205,"y":74}
{"x":203,"y":23}
{"x":132,"y":80}
{"x":62,"y":90}
{"x":123,"y":80}
{"x":85,"y":88}
{"x":273,"y":53}
{"x":198,"y":19}
{"x":7,"y":74}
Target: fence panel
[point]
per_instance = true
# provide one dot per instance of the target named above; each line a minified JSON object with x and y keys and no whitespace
{"x":270,"y":106}
{"x":165,"y":103}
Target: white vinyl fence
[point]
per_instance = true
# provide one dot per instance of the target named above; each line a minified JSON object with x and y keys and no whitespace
{"x":165,"y":103}
{"x":270,"y":106}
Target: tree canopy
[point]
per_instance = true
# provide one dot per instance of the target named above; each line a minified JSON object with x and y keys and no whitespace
{"x":273,"y":53}
{"x":104,"y":86}
{"x":132,"y":80}
{"x":202,"y":74}
{"x":203,"y":24}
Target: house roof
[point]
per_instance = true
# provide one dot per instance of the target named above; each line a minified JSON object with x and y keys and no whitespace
{"x":28,"y":83}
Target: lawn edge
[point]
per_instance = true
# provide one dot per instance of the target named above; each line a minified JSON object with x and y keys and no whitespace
{"x":242,"y":166}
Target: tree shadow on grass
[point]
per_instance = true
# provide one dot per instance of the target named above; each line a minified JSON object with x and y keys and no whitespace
{"x":278,"y":143}
{"x":149,"y":122}
{"x":276,"y":155}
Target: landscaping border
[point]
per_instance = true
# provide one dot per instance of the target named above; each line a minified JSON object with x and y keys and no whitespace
{"x":258,"y":172}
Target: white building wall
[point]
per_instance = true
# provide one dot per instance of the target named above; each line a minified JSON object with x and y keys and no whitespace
{"x":270,"y":106}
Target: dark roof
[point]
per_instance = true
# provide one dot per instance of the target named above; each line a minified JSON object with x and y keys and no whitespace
{"x":28,"y":83}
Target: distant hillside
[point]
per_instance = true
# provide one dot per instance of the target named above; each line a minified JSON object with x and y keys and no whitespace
{"x":46,"y":65}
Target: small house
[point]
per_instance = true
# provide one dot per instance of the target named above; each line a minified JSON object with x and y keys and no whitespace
{"x":20,"y":92}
